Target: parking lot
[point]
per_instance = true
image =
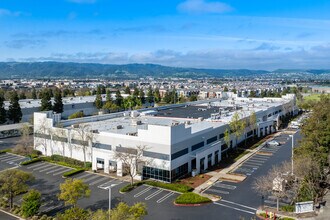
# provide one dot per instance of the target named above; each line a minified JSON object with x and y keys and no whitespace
{"x":8,"y":161}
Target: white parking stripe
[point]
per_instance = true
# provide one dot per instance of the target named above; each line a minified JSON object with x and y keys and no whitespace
{"x":13,"y":160}
{"x":98,"y":181}
{"x":41,"y":167}
{"x":154,"y":194}
{"x":218,"y":191}
{"x":48,"y":168}
{"x":62,"y":171}
{"x":165,"y":197}
{"x":91,"y":178}
{"x":143,"y":191}
{"x":56,"y":169}
{"x":250,"y":165}
{"x":8,"y":158}
{"x":35,"y":165}
{"x":259,"y":158}
{"x":104,"y":185}
{"x":2,"y":156}
{"x":253,"y":163}
{"x":83,"y":176}
{"x":216,"y":203}
{"x":244,"y":206}
{"x":225,"y":186}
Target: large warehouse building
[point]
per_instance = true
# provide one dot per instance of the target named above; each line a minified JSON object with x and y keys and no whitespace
{"x":174,"y":140}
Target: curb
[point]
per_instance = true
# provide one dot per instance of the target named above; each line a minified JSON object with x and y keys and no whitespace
{"x":191,"y":205}
{"x":8,"y":213}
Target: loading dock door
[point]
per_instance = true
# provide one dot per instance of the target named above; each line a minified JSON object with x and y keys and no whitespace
{"x":99,"y":163}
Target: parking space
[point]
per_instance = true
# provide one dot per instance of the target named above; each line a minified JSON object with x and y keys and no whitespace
{"x":8,"y":161}
{"x":153,"y":194}
{"x":222,"y":188}
{"x":252,"y":164}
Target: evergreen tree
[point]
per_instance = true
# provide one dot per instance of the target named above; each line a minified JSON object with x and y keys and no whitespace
{"x":127,"y":90}
{"x":34,"y":93}
{"x":108,"y":97}
{"x":22,"y":95}
{"x":58,"y":103}
{"x":150,"y":95}
{"x":3,"y":114}
{"x":98,"y":99}
{"x":136,"y":92}
{"x":14,"y":111}
{"x":119,"y":99}
{"x":46,"y":104}
{"x":142,"y":96}
{"x":157,"y":95}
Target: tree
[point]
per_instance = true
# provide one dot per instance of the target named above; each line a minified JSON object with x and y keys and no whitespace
{"x":24,"y":146}
{"x":157,"y":95}
{"x":227,"y":138}
{"x":31,"y":203}
{"x":141,"y":95}
{"x":127,"y":90}
{"x":119,"y":99}
{"x":253,"y":123}
{"x":123,"y":212}
{"x":84,"y":136}
{"x":136,"y":92}
{"x":237,"y":126}
{"x":253,"y":94}
{"x":129,"y":102}
{"x":167,"y":97}
{"x":108,"y":96}
{"x":58,"y":102}
{"x":72,"y":190}
{"x":98,"y":99}
{"x":34,"y":93}
{"x":225,"y":89}
{"x":110,"y":107}
{"x":132,"y":159}
{"x":150,"y":95}
{"x":22,"y":95}
{"x":14,"y":182}
{"x":41,"y":129}
{"x":193,"y":98}
{"x":3,"y":112}
{"x":74,"y":213}
{"x":46,"y":103}
{"x":14,"y":110}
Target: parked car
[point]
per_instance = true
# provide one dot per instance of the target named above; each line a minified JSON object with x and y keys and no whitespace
{"x":273,"y":143}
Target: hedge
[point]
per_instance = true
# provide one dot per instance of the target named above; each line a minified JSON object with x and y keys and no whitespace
{"x":66,"y":161}
{"x":171,"y":186}
{"x":73,"y":172}
{"x":130,"y":187}
{"x":191,"y":198}
{"x":5,"y":151}
{"x":30,"y":161}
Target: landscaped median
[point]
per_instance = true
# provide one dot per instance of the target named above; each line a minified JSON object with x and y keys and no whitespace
{"x":72,"y":172}
{"x":27,"y":162}
{"x":191,"y":199}
{"x":5,"y":151}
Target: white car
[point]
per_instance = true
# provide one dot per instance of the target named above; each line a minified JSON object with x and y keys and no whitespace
{"x":273,"y":143}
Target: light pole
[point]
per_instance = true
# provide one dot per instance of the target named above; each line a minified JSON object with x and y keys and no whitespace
{"x":292,"y":146}
{"x":109,"y":187}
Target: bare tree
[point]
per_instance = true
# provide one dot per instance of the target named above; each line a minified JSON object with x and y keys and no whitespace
{"x":59,"y":134}
{"x":253,"y":122}
{"x":132,"y":160}
{"x":43,"y":133}
{"x":278,"y":182}
{"x":85,"y":137}
{"x":237,"y":126}
{"x":25,"y":145}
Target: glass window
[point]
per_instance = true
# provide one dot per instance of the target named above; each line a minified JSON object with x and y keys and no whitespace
{"x":179,"y":153}
{"x":197,"y":146}
{"x":211,"y":140}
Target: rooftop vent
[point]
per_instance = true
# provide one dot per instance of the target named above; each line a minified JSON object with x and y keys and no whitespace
{"x":119,"y":127}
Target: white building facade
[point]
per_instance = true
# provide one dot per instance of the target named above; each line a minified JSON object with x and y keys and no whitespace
{"x":175,"y":139}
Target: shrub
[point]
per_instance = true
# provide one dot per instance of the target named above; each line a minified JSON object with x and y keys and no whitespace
{"x":66,"y":161}
{"x":79,"y":114}
{"x":171,"y":186}
{"x":31,"y":161}
{"x":22,"y":150}
{"x":191,"y":198}
{"x":31,"y":203}
{"x":73,"y":172}
{"x":130,"y":187}
{"x":288,"y":208}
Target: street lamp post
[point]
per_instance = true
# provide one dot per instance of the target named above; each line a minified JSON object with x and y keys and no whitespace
{"x":109,"y":187}
{"x":292,"y":146}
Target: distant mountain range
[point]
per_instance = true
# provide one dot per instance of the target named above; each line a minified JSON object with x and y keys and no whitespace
{"x":127,"y":71}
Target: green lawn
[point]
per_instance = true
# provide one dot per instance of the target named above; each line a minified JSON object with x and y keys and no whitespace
{"x":312,"y":97}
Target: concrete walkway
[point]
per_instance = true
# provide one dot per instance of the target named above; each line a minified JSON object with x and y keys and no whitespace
{"x":225,"y":173}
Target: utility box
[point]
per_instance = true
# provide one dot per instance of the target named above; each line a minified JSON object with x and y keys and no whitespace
{"x":278,"y":184}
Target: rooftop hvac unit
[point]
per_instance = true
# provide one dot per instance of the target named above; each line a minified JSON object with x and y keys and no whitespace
{"x":95,"y":131}
{"x":200,"y":119}
{"x":119,"y":127}
{"x":188,"y":122}
{"x":135,"y":114}
{"x":174,"y":123}
{"x":138,"y":122}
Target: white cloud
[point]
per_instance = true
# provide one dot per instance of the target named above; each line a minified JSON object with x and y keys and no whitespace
{"x":203,"y":6}
{"x":6,"y":12}
{"x":83,"y":1}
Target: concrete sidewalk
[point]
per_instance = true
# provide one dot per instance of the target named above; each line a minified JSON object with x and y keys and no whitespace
{"x":225,"y":173}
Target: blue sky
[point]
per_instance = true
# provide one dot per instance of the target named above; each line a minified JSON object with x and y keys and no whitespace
{"x":255,"y":34}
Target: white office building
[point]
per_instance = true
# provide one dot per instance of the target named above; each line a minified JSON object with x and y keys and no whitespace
{"x":176,"y":139}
